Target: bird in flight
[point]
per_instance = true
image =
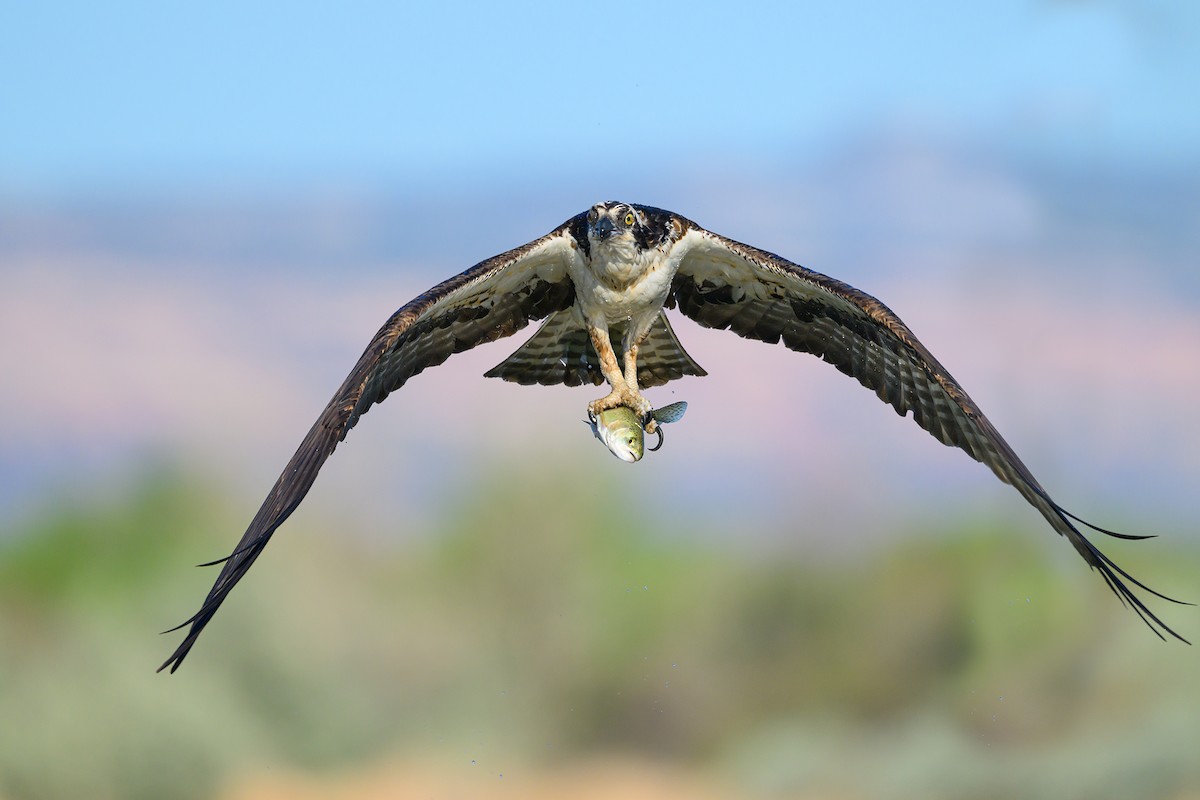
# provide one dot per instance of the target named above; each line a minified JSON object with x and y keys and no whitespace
{"x":601,"y":281}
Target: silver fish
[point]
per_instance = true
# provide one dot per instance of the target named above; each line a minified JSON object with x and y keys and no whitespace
{"x":622,"y":433}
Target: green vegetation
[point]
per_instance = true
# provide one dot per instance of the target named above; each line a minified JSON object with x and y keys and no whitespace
{"x":984,"y":663}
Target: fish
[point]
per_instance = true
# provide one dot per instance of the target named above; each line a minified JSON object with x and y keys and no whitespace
{"x":623,"y":434}
{"x":672,"y":412}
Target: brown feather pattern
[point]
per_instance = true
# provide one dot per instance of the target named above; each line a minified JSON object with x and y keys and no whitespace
{"x":759,"y":295}
{"x":720,"y":283}
{"x":562,"y":352}
{"x":455,"y":315}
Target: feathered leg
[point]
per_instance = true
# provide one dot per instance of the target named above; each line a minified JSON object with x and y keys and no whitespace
{"x":624,"y":392}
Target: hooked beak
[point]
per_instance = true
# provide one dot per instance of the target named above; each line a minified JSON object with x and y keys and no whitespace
{"x":603,"y":229}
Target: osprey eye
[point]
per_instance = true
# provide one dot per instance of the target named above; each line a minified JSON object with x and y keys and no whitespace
{"x":628,"y":220}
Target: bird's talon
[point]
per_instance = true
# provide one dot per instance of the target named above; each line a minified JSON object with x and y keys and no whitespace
{"x":658,"y":429}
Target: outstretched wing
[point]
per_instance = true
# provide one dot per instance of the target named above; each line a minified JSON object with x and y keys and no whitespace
{"x":493,"y":299}
{"x":726,"y":284}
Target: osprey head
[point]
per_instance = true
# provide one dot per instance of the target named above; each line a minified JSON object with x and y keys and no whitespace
{"x":613,"y":224}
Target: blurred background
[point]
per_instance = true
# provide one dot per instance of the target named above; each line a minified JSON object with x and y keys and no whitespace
{"x":206,"y":212}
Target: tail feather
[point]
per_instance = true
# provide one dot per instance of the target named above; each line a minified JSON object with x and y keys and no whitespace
{"x":561,"y":352}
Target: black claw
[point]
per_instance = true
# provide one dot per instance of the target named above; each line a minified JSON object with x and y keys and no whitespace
{"x":658,"y":430}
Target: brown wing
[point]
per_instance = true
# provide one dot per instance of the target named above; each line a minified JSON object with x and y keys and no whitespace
{"x":725,"y":284}
{"x":493,"y":299}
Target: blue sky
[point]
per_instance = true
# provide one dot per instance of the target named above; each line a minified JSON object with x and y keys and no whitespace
{"x":872,"y":142}
{"x":107,"y":95}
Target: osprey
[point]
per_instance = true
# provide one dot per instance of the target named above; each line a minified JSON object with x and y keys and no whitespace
{"x":601,"y":281}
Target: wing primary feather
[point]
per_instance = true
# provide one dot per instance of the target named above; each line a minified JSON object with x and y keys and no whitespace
{"x":1112,"y":564}
{"x":1109,"y":570}
{"x":1116,"y":535}
{"x":864,"y":339}
{"x":1099,"y":554}
{"x":234,"y":554}
{"x":492,"y":299}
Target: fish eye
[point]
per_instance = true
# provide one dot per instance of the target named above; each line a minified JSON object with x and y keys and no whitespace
{"x":629,"y":220}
